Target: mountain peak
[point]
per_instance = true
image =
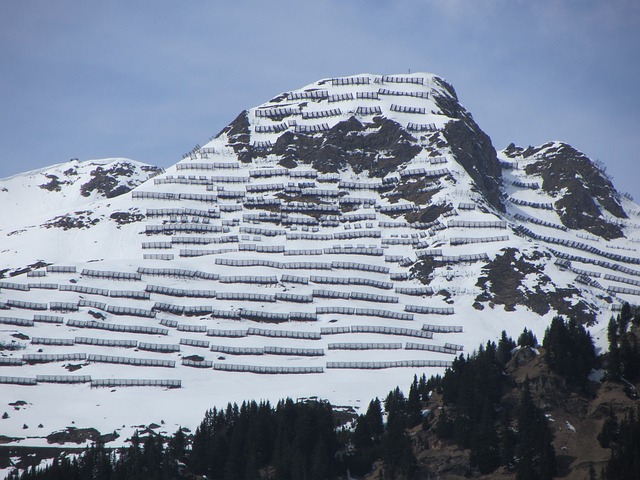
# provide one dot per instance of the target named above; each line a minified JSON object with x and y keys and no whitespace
{"x":339,"y":233}
{"x":584,"y":195}
{"x":374,"y":124}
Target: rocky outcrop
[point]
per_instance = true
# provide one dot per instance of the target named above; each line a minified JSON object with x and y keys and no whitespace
{"x":238,"y":137}
{"x":111,"y":182}
{"x":470,"y":145}
{"x":516,"y":278}
{"x":379,"y":147}
{"x":585,"y":195}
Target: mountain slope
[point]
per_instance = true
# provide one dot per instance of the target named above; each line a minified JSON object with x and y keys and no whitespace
{"x":32,"y":196}
{"x":345,"y":234}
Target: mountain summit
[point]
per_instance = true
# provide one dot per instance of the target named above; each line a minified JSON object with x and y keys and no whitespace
{"x":329,"y":242}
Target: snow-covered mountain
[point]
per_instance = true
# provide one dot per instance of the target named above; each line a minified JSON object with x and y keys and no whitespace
{"x":331,"y":242}
{"x":35,"y":197}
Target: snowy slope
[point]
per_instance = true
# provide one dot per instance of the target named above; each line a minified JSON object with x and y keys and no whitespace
{"x":329,"y":235}
{"x":30,"y":197}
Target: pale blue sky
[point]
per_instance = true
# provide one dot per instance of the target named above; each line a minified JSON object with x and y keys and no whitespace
{"x":149,"y":79}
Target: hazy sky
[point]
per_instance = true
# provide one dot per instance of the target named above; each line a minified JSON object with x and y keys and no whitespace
{"x":148,"y":80}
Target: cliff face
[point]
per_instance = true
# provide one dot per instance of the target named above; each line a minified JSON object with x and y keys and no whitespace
{"x":471,"y":147}
{"x":585,"y":199}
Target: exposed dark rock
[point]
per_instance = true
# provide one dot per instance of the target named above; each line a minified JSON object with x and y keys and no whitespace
{"x":513,"y":151}
{"x":238,"y":136}
{"x":470,"y":145}
{"x":108,"y":182}
{"x":74,"y":435}
{"x":72,"y":367}
{"x":474,"y":151}
{"x":97,"y":315}
{"x":195,"y":358}
{"x":419,"y":191}
{"x":54,"y":185}
{"x":585,"y":189}
{"x":279,"y":98}
{"x":423,"y":269}
{"x":503,"y":284}
{"x":4,"y":439}
{"x":75,"y":220}
{"x":379,"y":147}
{"x":152,"y":170}
{"x":429,"y":214}
{"x":122,"y":218}
{"x":478,"y":306}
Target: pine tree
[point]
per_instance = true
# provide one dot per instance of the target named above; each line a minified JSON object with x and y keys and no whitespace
{"x":536,"y":458}
{"x":613,"y":359}
{"x":527,"y":339}
{"x":396,"y":407}
{"x":485,"y":451}
{"x":505,"y":346}
{"x":374,"y":417}
{"x":569,"y":350}
{"x":624,"y":318}
{"x":507,"y":438}
{"x":624,"y":463}
{"x":397,"y":454}
{"x":414,"y":407}
{"x":444,"y":426}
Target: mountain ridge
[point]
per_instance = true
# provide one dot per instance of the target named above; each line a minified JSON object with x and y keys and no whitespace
{"x":362,"y":216}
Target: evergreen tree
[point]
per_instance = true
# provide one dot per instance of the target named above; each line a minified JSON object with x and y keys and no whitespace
{"x":570,"y":350}
{"x":527,"y":339}
{"x":624,"y":463}
{"x":414,"y":406}
{"x":624,"y":318}
{"x":536,"y":458}
{"x":397,"y":454}
{"x":444,"y":426}
{"x":507,"y":438}
{"x":396,"y":407}
{"x":485,"y":450}
{"x":505,"y":347}
{"x":374,"y":417}
{"x":629,"y":358}
{"x":613,"y":359}
{"x":362,"y":436}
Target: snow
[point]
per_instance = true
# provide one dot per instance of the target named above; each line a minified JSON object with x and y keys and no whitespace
{"x":109,"y":246}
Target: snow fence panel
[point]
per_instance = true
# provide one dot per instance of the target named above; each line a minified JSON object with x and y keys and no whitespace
{"x":407,"y":332}
{"x":303,"y":352}
{"x":22,"y":322}
{"x":52,"y":341}
{"x":63,"y":378}
{"x":130,"y":382}
{"x":138,"y":362}
{"x":106,"y":342}
{"x":284,"y":334}
{"x":17,"y":380}
{"x":266,"y":369}
{"x":194,"y":343}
